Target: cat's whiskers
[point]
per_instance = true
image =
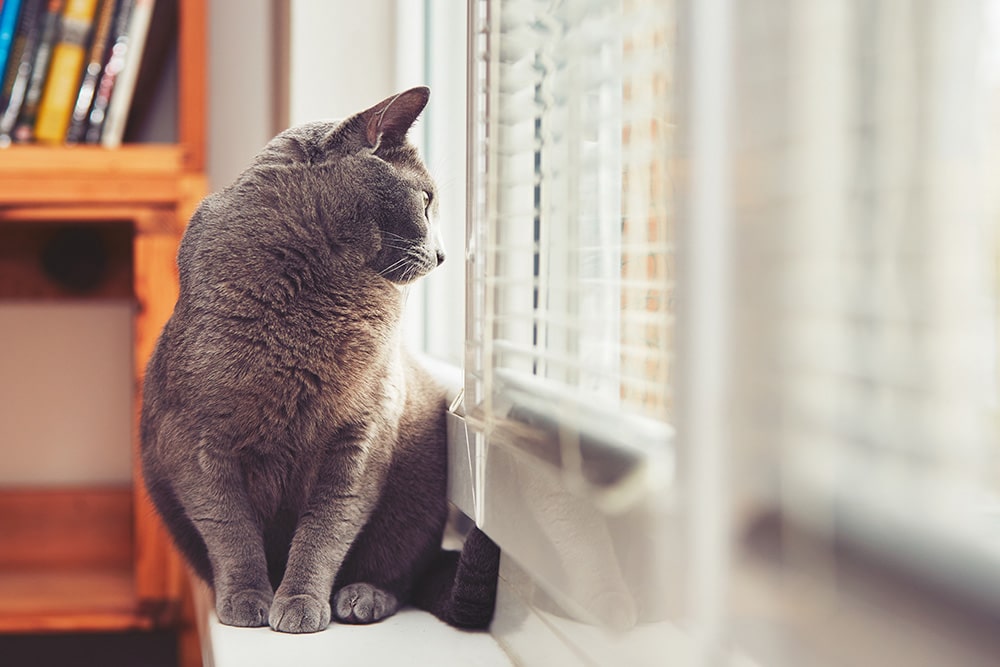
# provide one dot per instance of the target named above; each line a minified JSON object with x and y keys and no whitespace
{"x":394,"y":235}
{"x":392,"y":266}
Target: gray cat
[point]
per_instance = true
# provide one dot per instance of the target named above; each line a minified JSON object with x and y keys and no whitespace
{"x":293,"y":448}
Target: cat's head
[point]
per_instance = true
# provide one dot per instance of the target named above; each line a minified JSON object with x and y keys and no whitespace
{"x":369,"y":185}
{"x":411,"y":244}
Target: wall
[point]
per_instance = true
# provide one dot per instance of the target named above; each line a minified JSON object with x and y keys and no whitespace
{"x":242,"y":58}
{"x":65,"y":393}
{"x":341,"y":57}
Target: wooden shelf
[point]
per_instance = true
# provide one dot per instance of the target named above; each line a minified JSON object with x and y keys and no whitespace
{"x":70,"y":600}
{"x":98,"y":559}
{"x":153,"y":174}
{"x":66,"y":527}
{"x":37,"y":161}
{"x":66,"y":561}
{"x":24,"y":246}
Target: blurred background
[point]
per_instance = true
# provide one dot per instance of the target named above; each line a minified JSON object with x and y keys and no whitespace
{"x":722,"y":299}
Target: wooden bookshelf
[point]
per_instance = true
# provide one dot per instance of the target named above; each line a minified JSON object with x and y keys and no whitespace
{"x":66,"y":560}
{"x":98,"y":559}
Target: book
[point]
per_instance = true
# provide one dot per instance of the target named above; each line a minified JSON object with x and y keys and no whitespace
{"x":114,"y":60}
{"x":22,"y":56}
{"x":65,"y":68}
{"x":8,"y":23}
{"x":148,"y":106}
{"x":121,"y":96}
{"x":91,"y":73}
{"x":24,"y":129}
{"x":26,"y":17}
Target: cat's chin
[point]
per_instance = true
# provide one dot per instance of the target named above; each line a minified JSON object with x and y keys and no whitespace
{"x":407,"y":276}
{"x":406,"y":283}
{"x":407,"y":270}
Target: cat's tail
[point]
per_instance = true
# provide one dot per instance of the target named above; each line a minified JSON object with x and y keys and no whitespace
{"x":460,"y":588}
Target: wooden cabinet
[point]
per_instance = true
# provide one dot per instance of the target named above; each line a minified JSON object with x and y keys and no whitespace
{"x":83,"y":559}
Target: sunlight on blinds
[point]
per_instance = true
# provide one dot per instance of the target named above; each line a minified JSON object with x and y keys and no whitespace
{"x":572,"y":266}
{"x":571,"y":254}
{"x":566,"y":413}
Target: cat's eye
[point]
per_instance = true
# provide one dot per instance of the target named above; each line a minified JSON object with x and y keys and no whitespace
{"x":428,"y":198}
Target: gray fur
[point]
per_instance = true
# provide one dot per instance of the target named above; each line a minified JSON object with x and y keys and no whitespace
{"x":293,"y":448}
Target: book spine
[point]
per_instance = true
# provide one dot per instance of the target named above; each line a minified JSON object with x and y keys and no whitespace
{"x":19,"y":66}
{"x":91,"y":73}
{"x":24,"y":130}
{"x":113,"y":63}
{"x":64,"y":72}
{"x":121,"y":97}
{"x":8,"y":24}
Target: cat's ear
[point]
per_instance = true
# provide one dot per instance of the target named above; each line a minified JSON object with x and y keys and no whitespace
{"x":388,"y":121}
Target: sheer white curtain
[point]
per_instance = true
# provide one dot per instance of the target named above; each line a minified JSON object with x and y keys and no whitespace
{"x":864,"y":219}
{"x":867,"y":220}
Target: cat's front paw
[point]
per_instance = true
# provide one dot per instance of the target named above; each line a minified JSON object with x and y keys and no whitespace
{"x":245,"y":609}
{"x":363,"y":603}
{"x":299,"y":613}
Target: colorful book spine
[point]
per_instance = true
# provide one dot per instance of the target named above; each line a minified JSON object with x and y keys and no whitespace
{"x":8,"y":24}
{"x":91,"y":73}
{"x":58,"y":97}
{"x":121,"y":97}
{"x":22,"y":56}
{"x":25,"y":128}
{"x":113,"y":63}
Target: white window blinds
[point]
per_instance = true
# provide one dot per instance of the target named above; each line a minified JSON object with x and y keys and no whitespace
{"x":571,"y":262}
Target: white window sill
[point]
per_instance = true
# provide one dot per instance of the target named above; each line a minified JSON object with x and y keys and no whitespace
{"x":411,"y":637}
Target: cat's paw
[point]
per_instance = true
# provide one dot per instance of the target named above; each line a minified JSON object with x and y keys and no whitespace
{"x":363,"y":603}
{"x":245,"y":609}
{"x":299,"y":613}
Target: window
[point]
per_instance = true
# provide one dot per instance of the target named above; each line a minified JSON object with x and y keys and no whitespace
{"x":565,"y":443}
{"x":571,"y":262}
{"x":836,"y":319}
{"x":436,"y":56}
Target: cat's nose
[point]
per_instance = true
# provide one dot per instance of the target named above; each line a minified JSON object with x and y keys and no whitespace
{"x":440,"y":257}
